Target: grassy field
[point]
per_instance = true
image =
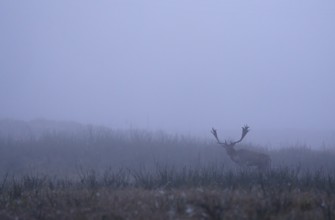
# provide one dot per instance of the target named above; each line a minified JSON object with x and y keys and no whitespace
{"x":105,"y":174}
{"x":170,"y":194}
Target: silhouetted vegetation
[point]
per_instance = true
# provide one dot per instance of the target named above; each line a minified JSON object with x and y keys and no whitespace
{"x":99,"y":173}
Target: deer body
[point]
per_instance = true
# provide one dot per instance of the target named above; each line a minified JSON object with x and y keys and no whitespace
{"x":244,"y":157}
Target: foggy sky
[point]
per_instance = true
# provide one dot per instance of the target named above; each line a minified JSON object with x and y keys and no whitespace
{"x":176,"y":65}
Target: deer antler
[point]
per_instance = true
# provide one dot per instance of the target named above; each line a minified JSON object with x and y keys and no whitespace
{"x":245,"y":130}
{"x":213,"y":131}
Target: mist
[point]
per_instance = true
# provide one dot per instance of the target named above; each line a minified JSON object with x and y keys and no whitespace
{"x":177,"y":66}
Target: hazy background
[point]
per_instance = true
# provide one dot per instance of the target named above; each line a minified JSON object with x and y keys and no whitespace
{"x":177,"y":65}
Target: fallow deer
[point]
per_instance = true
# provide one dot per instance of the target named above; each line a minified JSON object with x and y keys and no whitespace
{"x":244,"y":157}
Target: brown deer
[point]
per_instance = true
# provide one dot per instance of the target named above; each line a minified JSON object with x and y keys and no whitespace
{"x":244,"y":157}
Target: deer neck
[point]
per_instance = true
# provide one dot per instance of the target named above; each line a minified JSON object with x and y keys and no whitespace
{"x":232,"y":153}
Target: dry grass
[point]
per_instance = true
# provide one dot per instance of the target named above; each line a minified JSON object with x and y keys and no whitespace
{"x":138,"y":175}
{"x":193,"y":203}
{"x":277,"y":194}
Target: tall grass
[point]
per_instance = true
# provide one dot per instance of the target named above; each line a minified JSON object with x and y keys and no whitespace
{"x":98,"y":149}
{"x":106,"y":174}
